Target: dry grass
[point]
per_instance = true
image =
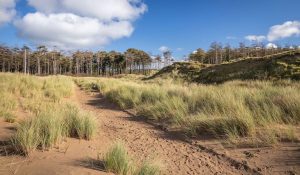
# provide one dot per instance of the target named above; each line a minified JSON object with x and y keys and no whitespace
{"x":118,"y":161}
{"x":52,"y":119}
{"x":234,"y":110}
{"x":49,"y":127}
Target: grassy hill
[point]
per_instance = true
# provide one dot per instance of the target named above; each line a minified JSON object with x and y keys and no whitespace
{"x":182,"y":70}
{"x":281,"y":66}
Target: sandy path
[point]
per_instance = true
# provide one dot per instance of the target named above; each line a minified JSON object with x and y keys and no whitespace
{"x":79,"y":157}
{"x":144,"y":140}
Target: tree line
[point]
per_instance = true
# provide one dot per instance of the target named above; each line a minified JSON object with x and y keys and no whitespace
{"x":217,"y":53}
{"x":41,"y":61}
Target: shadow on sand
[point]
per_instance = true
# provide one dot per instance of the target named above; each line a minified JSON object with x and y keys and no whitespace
{"x":91,"y":163}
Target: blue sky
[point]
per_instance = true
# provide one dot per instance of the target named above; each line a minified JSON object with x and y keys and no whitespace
{"x":182,"y":26}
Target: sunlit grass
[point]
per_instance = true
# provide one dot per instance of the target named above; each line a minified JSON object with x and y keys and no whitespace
{"x":237,"y":109}
{"x":118,"y":161}
{"x":51,"y":118}
{"x":149,"y":168}
{"x":49,"y":127}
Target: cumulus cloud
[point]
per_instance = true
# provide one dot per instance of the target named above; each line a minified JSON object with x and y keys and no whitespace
{"x":102,"y":9}
{"x":285,"y":30}
{"x":256,"y":38}
{"x":271,"y":46}
{"x":7,"y":10}
{"x":79,"y":24}
{"x":71,"y":31}
{"x":164,"y":49}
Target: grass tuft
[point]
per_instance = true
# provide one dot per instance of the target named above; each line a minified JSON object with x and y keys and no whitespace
{"x":9,"y":117}
{"x":235,"y":109}
{"x":117,"y":160}
{"x":149,"y":168}
{"x":49,"y":127}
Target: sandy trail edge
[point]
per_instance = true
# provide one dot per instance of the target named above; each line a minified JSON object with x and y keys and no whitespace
{"x":146,"y":141}
{"x":143,"y":140}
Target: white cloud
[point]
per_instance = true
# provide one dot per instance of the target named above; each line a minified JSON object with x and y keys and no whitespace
{"x":285,"y":30}
{"x":164,"y":49}
{"x":256,"y":38}
{"x":101,"y":9}
{"x":79,"y":24}
{"x":271,"y":46}
{"x":7,"y":10}
{"x":179,"y":49}
{"x":71,"y":31}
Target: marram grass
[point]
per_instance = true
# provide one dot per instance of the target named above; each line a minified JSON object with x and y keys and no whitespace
{"x":239,"y":109}
{"x":52,"y":119}
{"x":118,"y":161}
{"x":49,"y":127}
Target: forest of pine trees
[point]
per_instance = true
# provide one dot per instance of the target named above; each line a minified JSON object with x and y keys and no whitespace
{"x":41,"y":61}
{"x":44,"y":62}
{"x":218,"y":54}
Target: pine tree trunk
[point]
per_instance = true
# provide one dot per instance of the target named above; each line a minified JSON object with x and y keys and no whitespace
{"x":25,"y":59}
{"x":39,"y":66}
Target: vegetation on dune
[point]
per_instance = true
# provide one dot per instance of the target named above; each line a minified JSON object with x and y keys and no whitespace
{"x":49,"y":127}
{"x":277,"y":66}
{"x":283,"y":67}
{"x":186,"y":71}
{"x":118,"y":161}
{"x":41,"y":61}
{"x":9,"y":117}
{"x":149,"y":168}
{"x":234,"y":110}
{"x":51,"y":119}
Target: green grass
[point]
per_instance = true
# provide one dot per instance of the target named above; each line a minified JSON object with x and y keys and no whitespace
{"x":9,"y":117}
{"x":51,"y":118}
{"x":236,"y":109}
{"x":27,"y":137}
{"x":276,"y":67}
{"x":119,"y":162}
{"x":8,"y":104}
{"x":79,"y":124}
{"x":49,"y":127}
{"x":149,"y":168}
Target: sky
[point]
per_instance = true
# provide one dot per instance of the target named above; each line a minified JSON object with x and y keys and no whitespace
{"x":154,"y":26}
